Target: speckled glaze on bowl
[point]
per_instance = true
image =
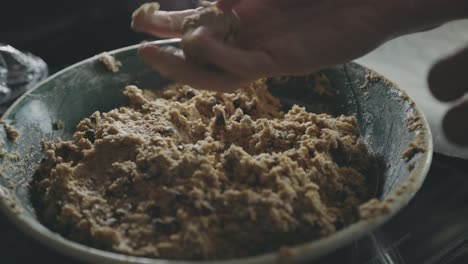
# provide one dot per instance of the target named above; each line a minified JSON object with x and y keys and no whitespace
{"x":392,"y":126}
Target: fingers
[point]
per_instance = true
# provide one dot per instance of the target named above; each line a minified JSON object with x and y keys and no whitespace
{"x":171,"y":63}
{"x":456,"y":124}
{"x":448,"y":79}
{"x":149,"y":19}
{"x":246,"y":64}
{"x":226,"y":5}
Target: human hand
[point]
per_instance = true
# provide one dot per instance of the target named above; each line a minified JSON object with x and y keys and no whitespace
{"x":276,"y":38}
{"x":448,"y":82}
{"x":279,"y":37}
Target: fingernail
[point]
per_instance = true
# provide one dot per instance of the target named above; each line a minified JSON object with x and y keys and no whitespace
{"x":147,"y":15}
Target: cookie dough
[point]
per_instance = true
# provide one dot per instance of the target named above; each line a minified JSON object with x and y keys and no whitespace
{"x":58,"y":125}
{"x":109,"y":62}
{"x":189,"y":174}
{"x":11,"y":132}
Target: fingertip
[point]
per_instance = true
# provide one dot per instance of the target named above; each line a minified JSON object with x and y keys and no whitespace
{"x":166,"y":24}
{"x":136,"y":23}
{"x":171,"y":63}
{"x":160,"y":59}
{"x":140,"y":16}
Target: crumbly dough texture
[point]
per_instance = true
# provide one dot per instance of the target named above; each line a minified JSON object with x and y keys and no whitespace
{"x":58,"y":125}
{"x":109,"y":62}
{"x":188,"y":174}
{"x":10,"y":131}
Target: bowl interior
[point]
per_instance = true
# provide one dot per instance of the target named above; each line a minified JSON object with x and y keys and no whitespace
{"x":383,"y":111}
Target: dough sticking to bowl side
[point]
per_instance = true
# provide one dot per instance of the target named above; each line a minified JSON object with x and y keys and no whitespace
{"x":188,"y":174}
{"x":109,"y":62}
{"x":10,"y":131}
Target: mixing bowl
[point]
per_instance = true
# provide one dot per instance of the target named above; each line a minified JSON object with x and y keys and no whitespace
{"x":392,"y":126}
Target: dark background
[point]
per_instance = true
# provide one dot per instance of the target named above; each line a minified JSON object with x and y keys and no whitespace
{"x":433,"y":229}
{"x":65,"y":32}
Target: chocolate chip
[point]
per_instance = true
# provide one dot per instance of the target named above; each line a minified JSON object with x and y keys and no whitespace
{"x":90,"y":135}
{"x":236,"y":103}
{"x":166,"y":225}
{"x":190,"y":94}
{"x":93,"y":119}
{"x":154,"y":211}
{"x":180,"y":197}
{"x":220,"y":120}
{"x":168,"y":131}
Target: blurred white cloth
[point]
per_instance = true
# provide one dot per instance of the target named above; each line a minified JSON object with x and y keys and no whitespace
{"x":407,"y":61}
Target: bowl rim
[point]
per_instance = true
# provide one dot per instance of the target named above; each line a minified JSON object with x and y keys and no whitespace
{"x":307,"y":251}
